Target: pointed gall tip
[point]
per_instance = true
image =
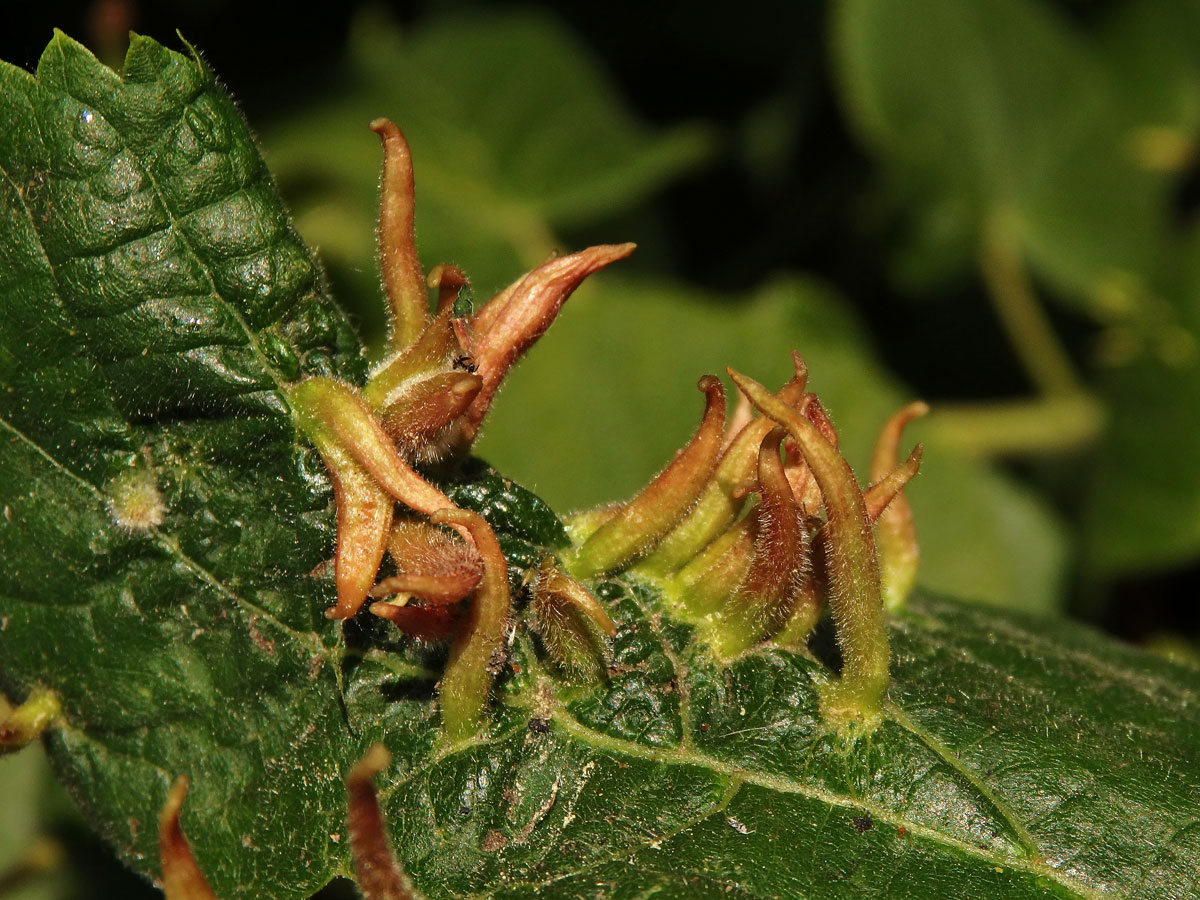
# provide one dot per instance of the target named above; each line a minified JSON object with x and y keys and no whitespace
{"x":399,"y":264}
{"x":181,"y":876}
{"x":448,"y":280}
{"x":514,"y":319}
{"x":799,"y":365}
{"x":375,"y":760}
{"x":618,"y":251}
{"x":447,"y":275}
{"x":640,"y":524}
{"x":449,"y":516}
{"x":744,"y":383}
{"x":591,"y":258}
{"x":887,"y":445}
{"x":791,"y":392}
{"x":549,"y":578}
{"x":885,"y":494}
{"x":385,"y":128}
{"x":376,"y":870}
{"x":383,"y":608}
{"x":714,"y":401}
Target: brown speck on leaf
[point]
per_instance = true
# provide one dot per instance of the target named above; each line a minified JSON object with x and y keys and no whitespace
{"x":264,"y":644}
{"x":539,"y":726}
{"x":135,"y":826}
{"x":497,"y":661}
{"x":862,"y":824}
{"x":494,"y":841}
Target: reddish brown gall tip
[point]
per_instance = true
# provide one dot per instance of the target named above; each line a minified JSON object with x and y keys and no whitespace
{"x":181,"y":876}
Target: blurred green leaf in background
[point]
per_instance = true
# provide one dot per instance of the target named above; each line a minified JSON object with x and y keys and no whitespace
{"x":1068,"y":170}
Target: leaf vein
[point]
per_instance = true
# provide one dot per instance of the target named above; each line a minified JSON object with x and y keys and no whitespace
{"x":789,"y":786}
{"x":179,"y":232}
{"x":948,"y":756}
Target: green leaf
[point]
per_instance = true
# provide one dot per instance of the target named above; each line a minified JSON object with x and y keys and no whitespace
{"x":1144,"y":500}
{"x":1015,"y":123}
{"x":651,"y":341}
{"x":1016,"y":757}
{"x":153,"y":298}
{"x":1000,"y":107}
{"x":516,"y":130}
{"x":1151,"y":46}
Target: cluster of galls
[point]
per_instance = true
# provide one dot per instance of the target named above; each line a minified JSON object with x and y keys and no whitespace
{"x":743,"y":576}
{"x":742,"y":572}
{"x":424,"y":403}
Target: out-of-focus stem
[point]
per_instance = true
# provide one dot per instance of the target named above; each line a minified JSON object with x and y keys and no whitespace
{"x":181,"y":876}
{"x":1029,"y":330}
{"x":378,"y":874}
{"x":44,"y":856}
{"x":1052,"y":424}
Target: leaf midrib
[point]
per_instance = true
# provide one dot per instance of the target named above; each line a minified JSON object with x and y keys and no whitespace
{"x":551,"y":706}
{"x":782,"y":785}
